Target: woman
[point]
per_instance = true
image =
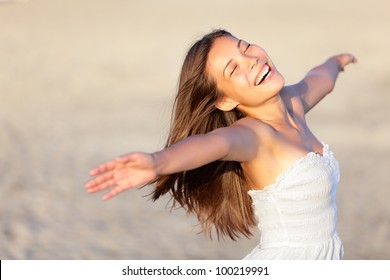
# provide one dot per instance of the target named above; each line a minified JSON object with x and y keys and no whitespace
{"x":239,"y":137}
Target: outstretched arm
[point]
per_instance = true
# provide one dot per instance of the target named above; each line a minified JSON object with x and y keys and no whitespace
{"x":137,"y":169}
{"x":319,"y":81}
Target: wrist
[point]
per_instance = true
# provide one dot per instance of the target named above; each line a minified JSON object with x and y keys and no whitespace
{"x":334,"y":60}
{"x":157,"y":166}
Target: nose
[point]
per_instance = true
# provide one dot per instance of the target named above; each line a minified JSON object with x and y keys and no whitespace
{"x":253,"y":62}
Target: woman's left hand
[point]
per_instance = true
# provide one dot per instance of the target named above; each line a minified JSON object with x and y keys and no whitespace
{"x":344,"y":59}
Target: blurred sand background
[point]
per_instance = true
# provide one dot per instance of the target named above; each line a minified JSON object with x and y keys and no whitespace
{"x":84,"y":81}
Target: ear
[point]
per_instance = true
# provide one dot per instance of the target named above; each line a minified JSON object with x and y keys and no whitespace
{"x":226,"y":104}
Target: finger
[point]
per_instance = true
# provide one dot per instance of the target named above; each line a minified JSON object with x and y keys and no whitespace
{"x":100,"y":179}
{"x":346,"y":59}
{"x":126,"y":158}
{"x":352,"y":58}
{"x":114,"y":192}
{"x":103,"y":186}
{"x":349,"y":58}
{"x":103,"y":167}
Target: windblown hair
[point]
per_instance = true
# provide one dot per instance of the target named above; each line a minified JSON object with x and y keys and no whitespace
{"x":217,"y":192}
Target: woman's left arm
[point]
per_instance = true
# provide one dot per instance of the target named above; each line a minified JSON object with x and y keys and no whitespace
{"x":320,"y":80}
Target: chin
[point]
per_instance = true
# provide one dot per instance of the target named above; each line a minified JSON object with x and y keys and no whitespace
{"x":277,"y":83}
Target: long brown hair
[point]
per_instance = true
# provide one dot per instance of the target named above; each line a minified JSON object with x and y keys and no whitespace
{"x":216,"y":192}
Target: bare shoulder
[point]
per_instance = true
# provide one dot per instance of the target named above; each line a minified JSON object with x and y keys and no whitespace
{"x":243,"y":139}
{"x":242,"y":127}
{"x":250,"y":132}
{"x":265,"y":136}
{"x":262,"y":131}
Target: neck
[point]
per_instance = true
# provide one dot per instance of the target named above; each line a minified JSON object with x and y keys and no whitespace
{"x":273,"y":110}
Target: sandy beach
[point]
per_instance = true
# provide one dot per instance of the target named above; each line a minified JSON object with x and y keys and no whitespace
{"x":84,"y":81}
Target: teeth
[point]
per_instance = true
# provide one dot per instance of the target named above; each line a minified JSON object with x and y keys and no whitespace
{"x":262,"y":75}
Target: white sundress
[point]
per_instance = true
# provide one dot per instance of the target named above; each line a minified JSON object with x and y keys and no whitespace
{"x":297,"y":214}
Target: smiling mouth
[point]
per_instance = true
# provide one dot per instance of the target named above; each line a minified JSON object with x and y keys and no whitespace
{"x":264,"y":73}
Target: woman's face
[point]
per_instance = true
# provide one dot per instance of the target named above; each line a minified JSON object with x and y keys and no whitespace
{"x":243,"y":72}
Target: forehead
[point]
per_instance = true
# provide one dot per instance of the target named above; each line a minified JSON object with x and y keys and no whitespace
{"x":223,"y":50}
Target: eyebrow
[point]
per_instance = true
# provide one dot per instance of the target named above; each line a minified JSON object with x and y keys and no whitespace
{"x":227,"y":64}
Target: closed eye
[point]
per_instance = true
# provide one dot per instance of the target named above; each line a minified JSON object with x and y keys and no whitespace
{"x":249,"y":45}
{"x":233,"y":70}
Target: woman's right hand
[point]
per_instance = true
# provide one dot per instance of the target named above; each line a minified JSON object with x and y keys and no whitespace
{"x":128,"y":171}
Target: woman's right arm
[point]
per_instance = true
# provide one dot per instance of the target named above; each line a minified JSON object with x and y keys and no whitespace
{"x":234,"y":143}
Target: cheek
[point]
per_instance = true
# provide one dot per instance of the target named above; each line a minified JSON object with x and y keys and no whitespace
{"x":229,"y":87}
{"x":237,"y":87}
{"x":240,"y":79}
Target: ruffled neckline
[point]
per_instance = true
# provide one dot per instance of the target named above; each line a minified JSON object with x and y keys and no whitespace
{"x":310,"y":155}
